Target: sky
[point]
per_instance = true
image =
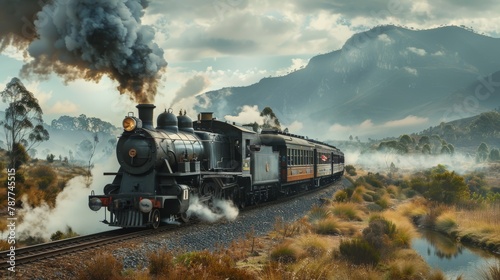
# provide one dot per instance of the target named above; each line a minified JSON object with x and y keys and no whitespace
{"x":212,"y":44}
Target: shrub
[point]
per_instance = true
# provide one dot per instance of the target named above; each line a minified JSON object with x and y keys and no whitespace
{"x":59,"y":235}
{"x":375,"y":180}
{"x":379,"y":232}
{"x":44,"y":175}
{"x":101,"y":267}
{"x":359,"y":251}
{"x":351,"y":170}
{"x":447,"y":187}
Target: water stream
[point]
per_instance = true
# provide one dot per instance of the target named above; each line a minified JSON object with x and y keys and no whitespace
{"x":453,"y":258}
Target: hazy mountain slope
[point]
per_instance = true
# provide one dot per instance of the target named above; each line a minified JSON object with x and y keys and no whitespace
{"x":383,"y":74}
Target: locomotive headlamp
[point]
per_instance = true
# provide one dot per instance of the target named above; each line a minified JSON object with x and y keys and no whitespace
{"x":95,"y":204}
{"x":145,"y":205}
{"x":130,"y":123}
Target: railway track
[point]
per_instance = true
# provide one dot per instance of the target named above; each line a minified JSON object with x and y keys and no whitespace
{"x":54,"y":249}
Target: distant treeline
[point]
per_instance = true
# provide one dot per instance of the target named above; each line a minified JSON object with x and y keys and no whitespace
{"x":469,"y":130}
{"x":82,"y":122}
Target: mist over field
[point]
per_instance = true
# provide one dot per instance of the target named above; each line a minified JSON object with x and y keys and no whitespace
{"x":381,"y":161}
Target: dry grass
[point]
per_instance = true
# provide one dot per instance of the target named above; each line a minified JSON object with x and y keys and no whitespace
{"x":4,"y":245}
{"x":314,"y":246}
{"x":490,"y":273}
{"x":102,"y":267}
{"x":384,"y":201}
{"x":415,"y":209}
{"x":446,"y":222}
{"x":347,"y":211}
{"x":318,"y":213}
{"x":357,"y":195}
{"x":393,"y":191}
{"x":407,"y":264}
{"x":286,"y":252}
{"x":480,"y":225}
{"x":405,"y":231}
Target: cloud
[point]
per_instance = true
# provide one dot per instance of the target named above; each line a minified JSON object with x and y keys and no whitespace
{"x":410,"y":70}
{"x":417,"y":51}
{"x":63,"y":107}
{"x":408,"y":121}
{"x":14,"y":53}
{"x":368,"y":128}
{"x":385,"y":39}
{"x":297,"y":63}
{"x":294,"y":127}
{"x":265,"y":27}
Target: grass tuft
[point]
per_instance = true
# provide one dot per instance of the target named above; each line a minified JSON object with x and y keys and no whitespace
{"x":102,"y":267}
{"x":284,"y":253}
{"x":313,"y":245}
{"x":446,"y":222}
{"x":160,"y":263}
{"x":347,"y":211}
{"x":318,"y":213}
{"x":359,"y":251}
{"x":490,"y":273}
{"x":330,"y":226}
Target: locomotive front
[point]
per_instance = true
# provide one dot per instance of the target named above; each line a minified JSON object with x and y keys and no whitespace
{"x":146,"y":188}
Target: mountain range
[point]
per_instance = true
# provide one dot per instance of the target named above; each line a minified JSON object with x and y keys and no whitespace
{"x":388,"y":80}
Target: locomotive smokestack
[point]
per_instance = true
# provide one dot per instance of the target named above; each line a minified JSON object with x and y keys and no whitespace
{"x":146,"y":115}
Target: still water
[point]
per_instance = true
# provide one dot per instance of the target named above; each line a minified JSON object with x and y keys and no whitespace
{"x":453,"y":258}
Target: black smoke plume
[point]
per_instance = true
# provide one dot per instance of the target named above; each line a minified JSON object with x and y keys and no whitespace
{"x":87,"y":39}
{"x":18,"y":17}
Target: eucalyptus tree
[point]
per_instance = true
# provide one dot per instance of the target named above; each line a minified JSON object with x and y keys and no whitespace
{"x":23,"y":123}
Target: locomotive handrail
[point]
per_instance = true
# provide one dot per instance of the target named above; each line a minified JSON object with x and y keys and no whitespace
{"x":112,"y":173}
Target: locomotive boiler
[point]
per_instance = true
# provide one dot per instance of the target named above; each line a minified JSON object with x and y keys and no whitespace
{"x":162,"y":167}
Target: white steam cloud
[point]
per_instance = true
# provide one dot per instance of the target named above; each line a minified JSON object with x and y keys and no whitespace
{"x":71,"y":208}
{"x":225,"y":209}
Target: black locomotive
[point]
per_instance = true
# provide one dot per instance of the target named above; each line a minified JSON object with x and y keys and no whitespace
{"x":162,"y":168}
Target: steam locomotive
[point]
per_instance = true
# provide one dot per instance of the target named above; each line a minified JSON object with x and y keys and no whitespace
{"x":162,"y":168}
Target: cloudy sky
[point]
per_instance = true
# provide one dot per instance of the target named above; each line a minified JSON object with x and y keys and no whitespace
{"x":211,"y":44}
